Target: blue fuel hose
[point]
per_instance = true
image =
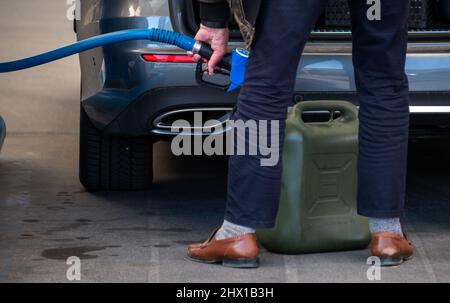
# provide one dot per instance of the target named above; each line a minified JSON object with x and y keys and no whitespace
{"x":234,"y":63}
{"x":156,"y":35}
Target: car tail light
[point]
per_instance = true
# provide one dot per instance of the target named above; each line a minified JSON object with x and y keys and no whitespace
{"x":168,"y":58}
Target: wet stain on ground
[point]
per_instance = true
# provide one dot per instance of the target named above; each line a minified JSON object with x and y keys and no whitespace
{"x":83,"y":238}
{"x":31,"y":221}
{"x":149,"y":229}
{"x":26,"y":236}
{"x":111,"y":219}
{"x":68,"y":203}
{"x":82,"y":252}
{"x":83,"y":220}
{"x":63,"y":240}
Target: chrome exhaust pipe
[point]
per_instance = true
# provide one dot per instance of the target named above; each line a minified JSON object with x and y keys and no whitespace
{"x":163,"y":124}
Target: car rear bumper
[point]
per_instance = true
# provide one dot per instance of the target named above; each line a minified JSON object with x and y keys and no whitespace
{"x":325,"y":72}
{"x":140,"y":117}
{"x":143,"y":115}
{"x":426,"y":108}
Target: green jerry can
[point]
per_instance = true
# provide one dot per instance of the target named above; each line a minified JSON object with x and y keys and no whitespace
{"x":317,"y":211}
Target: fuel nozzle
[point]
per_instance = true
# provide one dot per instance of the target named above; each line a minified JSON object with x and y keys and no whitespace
{"x":205,"y":51}
{"x":233,"y":64}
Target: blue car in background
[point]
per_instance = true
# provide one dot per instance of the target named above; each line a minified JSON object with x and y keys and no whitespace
{"x":132,"y":92}
{"x":2,"y":132}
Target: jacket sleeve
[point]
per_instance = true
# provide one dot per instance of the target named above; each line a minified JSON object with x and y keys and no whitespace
{"x":214,"y":13}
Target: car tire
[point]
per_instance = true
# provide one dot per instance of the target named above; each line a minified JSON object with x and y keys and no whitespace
{"x":113,"y":163}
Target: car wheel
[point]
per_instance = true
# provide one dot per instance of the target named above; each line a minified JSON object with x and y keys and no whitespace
{"x":113,"y":163}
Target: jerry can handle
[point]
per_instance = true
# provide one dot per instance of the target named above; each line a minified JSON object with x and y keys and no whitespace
{"x":348,"y":111}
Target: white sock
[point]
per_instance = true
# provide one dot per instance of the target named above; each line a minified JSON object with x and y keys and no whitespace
{"x":391,"y":225}
{"x":230,"y":230}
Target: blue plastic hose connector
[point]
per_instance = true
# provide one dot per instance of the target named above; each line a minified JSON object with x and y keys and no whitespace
{"x":156,"y":35}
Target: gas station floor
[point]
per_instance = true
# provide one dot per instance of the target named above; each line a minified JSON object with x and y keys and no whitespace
{"x":46,"y":217}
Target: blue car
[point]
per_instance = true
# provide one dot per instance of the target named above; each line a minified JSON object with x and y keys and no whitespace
{"x":2,"y":132}
{"x":132,"y":92}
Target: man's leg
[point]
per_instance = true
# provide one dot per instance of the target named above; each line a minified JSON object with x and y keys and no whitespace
{"x":254,"y":190}
{"x":379,"y":54}
{"x":282,"y":31}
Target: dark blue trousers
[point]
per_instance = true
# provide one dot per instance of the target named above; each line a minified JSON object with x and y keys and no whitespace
{"x":379,"y":51}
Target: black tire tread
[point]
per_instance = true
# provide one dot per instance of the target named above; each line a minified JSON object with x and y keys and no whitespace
{"x":109,"y":163}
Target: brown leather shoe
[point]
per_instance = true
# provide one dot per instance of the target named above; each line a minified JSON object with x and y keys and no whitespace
{"x":239,"y":252}
{"x":390,"y":248}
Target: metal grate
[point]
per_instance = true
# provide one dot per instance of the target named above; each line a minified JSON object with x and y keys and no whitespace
{"x":421,"y":13}
{"x":337,"y":13}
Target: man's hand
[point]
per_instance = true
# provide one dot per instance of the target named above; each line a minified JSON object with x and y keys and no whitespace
{"x":218,"y":39}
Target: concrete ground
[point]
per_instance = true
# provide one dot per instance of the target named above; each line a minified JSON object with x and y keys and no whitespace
{"x":46,"y":216}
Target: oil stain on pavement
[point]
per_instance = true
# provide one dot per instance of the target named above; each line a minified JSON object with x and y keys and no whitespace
{"x":63,"y":253}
